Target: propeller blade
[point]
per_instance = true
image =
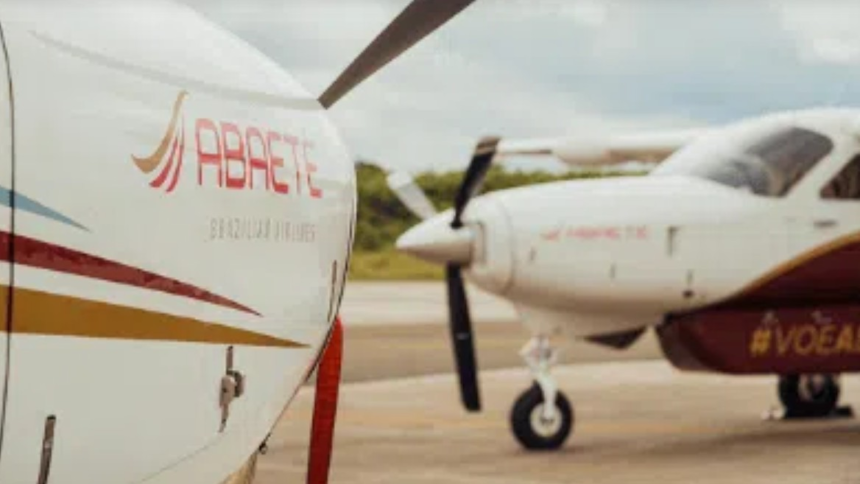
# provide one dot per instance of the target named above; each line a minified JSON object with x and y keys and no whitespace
{"x":417,"y":21}
{"x":462,"y":338}
{"x":482,"y":158}
{"x":411,"y":195}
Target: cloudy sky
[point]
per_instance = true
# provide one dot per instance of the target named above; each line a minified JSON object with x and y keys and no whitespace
{"x":538,"y":68}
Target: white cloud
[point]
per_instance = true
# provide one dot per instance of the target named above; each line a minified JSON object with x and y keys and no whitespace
{"x":834,"y":51}
{"x":542,"y":68}
{"x":824,"y":31}
{"x":589,"y":12}
{"x":426,"y":116}
{"x":312,"y":39}
{"x":427,"y":109}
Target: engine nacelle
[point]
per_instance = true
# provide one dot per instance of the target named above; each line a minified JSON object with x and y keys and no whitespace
{"x":492,"y":265}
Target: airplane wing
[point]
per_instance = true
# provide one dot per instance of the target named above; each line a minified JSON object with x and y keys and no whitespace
{"x":586,"y":150}
{"x":598,"y":150}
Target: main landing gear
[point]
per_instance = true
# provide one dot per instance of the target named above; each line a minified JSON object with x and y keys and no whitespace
{"x":536,"y":424}
{"x":809,"y":396}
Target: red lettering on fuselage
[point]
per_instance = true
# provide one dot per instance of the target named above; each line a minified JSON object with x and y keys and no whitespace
{"x":235,"y":159}
{"x":257,"y":160}
{"x":254,"y":159}
{"x":606,"y":233}
{"x":208,"y":158}
{"x":294,"y":150}
{"x":276,"y":163}
{"x":311,"y":169}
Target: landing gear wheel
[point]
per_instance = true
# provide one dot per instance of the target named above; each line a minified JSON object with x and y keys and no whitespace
{"x":534,"y":431}
{"x":809,"y":395}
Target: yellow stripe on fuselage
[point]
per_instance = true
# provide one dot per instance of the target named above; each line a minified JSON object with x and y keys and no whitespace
{"x":42,"y":313}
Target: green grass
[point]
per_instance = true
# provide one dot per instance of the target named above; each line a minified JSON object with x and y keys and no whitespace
{"x":390,"y":265}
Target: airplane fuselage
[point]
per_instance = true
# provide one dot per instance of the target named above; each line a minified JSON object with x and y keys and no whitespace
{"x":595,"y":257}
{"x":174,"y":207}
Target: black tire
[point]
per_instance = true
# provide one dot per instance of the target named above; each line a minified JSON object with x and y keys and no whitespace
{"x":809,"y":395}
{"x":522,"y":421}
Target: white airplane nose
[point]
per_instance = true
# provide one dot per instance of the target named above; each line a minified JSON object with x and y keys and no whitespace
{"x":435,"y":241}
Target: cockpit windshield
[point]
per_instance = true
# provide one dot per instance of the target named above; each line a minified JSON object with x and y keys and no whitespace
{"x":768,"y":164}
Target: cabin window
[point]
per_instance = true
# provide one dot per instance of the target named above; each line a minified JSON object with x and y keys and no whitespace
{"x":789,"y":155}
{"x":846,"y":184}
{"x":769,"y":164}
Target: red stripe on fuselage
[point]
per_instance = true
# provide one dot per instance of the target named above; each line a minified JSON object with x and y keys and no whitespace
{"x":43,"y":255}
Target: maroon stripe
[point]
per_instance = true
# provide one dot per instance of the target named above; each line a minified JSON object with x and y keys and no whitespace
{"x":35,"y":253}
{"x":827,"y":278}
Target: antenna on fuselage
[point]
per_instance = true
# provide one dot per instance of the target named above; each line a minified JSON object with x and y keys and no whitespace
{"x":418,"y":20}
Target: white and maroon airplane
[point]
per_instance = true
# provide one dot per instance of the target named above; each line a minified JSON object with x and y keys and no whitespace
{"x":741,"y":248}
{"x":176,"y":219}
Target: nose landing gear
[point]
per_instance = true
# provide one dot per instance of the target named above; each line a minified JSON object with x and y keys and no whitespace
{"x":536,"y":424}
{"x":532,"y":428}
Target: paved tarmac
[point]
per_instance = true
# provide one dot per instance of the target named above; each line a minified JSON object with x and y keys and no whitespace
{"x":399,"y":329}
{"x":413,"y":302}
{"x":638,"y":421}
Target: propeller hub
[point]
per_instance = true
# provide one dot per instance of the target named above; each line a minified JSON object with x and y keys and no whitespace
{"x":436,"y":241}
